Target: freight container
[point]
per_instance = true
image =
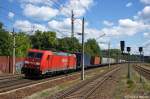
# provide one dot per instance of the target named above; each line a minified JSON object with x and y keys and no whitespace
{"x":112,"y":60}
{"x":95,"y":60}
{"x":87,"y":60}
{"x":121,"y":61}
{"x":107,"y":60}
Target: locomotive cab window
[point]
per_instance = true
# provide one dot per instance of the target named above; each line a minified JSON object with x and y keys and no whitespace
{"x":38,"y":55}
{"x":31,"y":55}
{"x":35,"y":55}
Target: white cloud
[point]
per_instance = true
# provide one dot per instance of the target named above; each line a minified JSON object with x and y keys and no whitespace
{"x":41,"y":13}
{"x":126,"y":27}
{"x":38,"y":10}
{"x":37,"y":2}
{"x":145,"y":1}
{"x":146,"y":51}
{"x":146,"y":48}
{"x":27,"y":26}
{"x":129,"y":4}
{"x":11,"y":15}
{"x":79,"y":6}
{"x":128,"y":23}
{"x":139,"y":24}
{"x":108,"y":23}
{"x":144,"y":14}
{"x":103,"y":46}
{"x":64,"y":27}
{"x":146,"y":34}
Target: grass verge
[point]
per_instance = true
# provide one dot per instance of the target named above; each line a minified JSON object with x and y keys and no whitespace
{"x":132,"y":88}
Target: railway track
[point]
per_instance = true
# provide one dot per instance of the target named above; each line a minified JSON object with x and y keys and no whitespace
{"x":143,"y":71}
{"x":10,"y":77}
{"x":85,"y":89}
{"x":13,"y":83}
{"x":16,"y":84}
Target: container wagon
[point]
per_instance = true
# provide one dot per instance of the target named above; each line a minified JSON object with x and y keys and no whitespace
{"x":95,"y":60}
{"x":87,"y":60}
{"x":107,"y":60}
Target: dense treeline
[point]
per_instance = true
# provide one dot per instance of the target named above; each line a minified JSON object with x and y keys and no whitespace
{"x":43,"y":40}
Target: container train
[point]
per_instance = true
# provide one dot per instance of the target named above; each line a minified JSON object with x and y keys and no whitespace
{"x":40,"y":62}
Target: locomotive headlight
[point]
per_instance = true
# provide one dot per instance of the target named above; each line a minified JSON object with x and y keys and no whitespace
{"x":26,"y":62}
{"x":37,"y":63}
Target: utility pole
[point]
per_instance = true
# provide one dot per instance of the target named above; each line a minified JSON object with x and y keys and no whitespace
{"x":72,"y":24}
{"x":72,"y":30}
{"x":82,"y":73}
{"x":14,"y":48}
{"x":109,"y":53}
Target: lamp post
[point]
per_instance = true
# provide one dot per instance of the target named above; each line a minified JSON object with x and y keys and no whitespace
{"x":82,"y":72}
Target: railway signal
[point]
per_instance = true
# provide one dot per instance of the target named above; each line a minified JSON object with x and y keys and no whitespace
{"x":129,"y":73}
{"x":128,"y":49}
{"x":140,"y":49}
{"x":122,"y":45}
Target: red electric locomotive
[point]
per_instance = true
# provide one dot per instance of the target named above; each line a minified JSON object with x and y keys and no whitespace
{"x":40,"y":62}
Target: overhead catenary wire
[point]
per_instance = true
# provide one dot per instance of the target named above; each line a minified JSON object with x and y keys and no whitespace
{"x":56,"y":4}
{"x":69,"y":14}
{"x":21,"y":16}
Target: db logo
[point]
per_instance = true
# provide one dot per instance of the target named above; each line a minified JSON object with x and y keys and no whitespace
{"x":64,"y":60}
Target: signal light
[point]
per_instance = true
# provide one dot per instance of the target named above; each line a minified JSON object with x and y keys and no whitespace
{"x":128,"y":49}
{"x":122,"y":45}
{"x":140,"y":49}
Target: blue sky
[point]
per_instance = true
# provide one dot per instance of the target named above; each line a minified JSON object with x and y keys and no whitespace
{"x":127,"y":20}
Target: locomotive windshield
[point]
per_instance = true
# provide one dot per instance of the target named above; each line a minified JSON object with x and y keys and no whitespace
{"x":35,"y":55}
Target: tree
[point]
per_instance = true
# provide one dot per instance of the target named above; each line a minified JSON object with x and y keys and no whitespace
{"x":92,"y":47}
{"x":44,"y":40}
{"x":115,"y":53}
{"x":36,"y":40}
{"x":69,"y":44}
{"x":49,"y":40}
{"x":1,"y":25}
{"x":5,"y":42}
{"x":23,"y":43}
